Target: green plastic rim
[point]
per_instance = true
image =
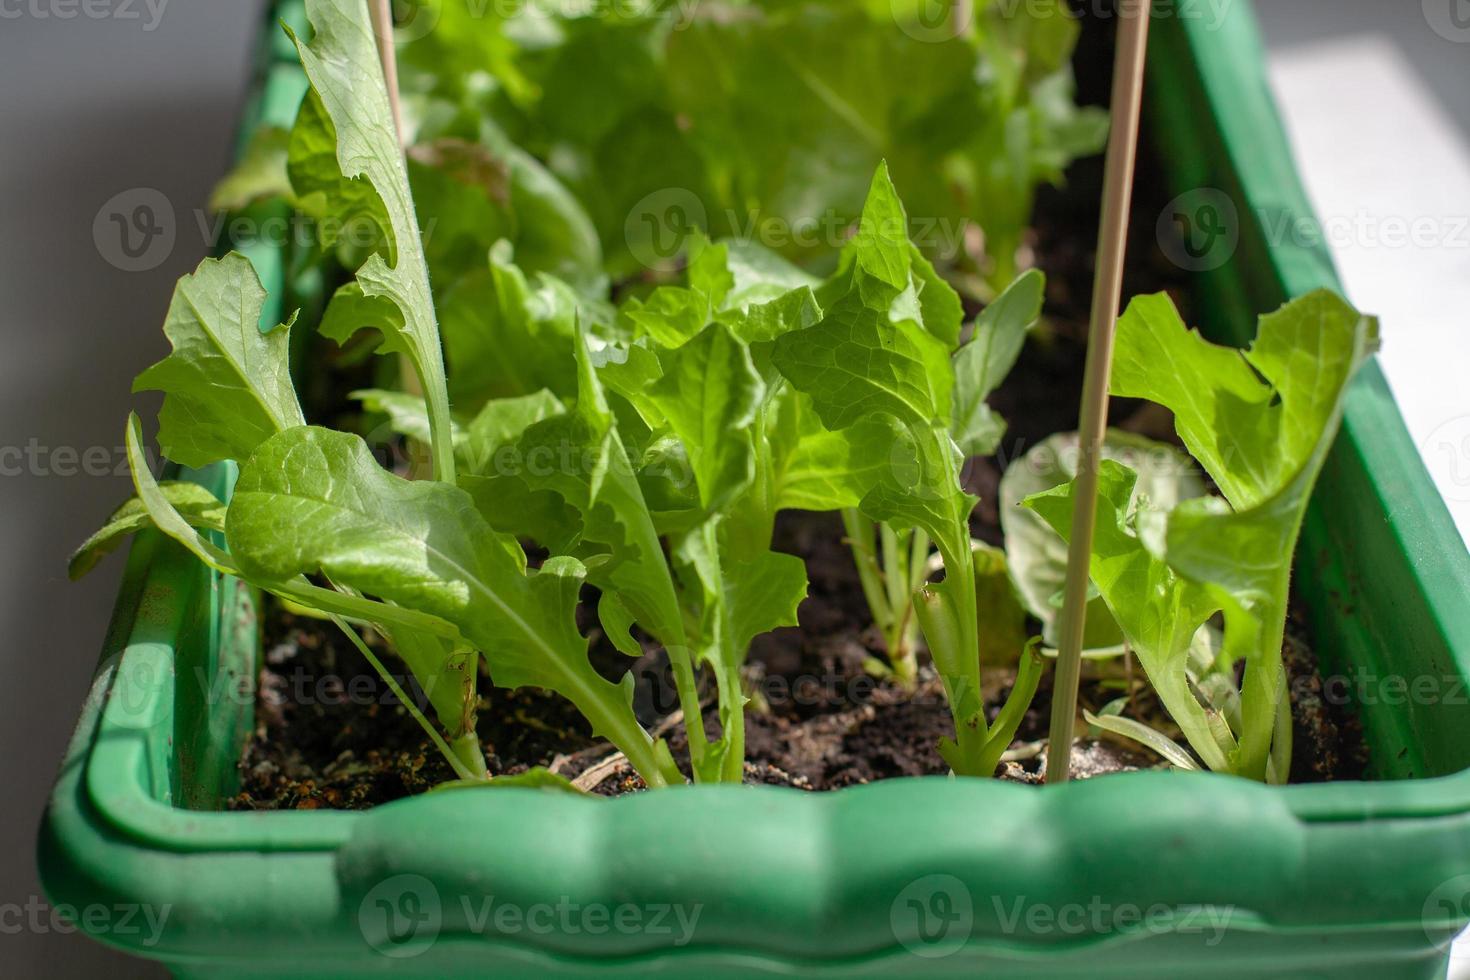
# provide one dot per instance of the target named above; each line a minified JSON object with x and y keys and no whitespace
{"x":1145,"y":874}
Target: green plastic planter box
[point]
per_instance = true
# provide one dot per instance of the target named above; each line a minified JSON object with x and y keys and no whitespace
{"x":1145,"y":874}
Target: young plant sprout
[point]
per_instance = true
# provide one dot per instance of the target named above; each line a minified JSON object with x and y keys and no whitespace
{"x":1260,"y":422}
{"x":891,"y":565}
{"x":886,"y":358}
{"x":893,"y":573}
{"x":682,"y":435}
{"x":645,"y":448}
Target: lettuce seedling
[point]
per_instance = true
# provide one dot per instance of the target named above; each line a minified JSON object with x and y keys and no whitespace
{"x":566,"y":480}
{"x":1037,"y":556}
{"x":674,"y":428}
{"x":882,"y":356}
{"x":314,"y":503}
{"x":690,"y":401}
{"x":737,"y":116}
{"x":892,"y":572}
{"x":685,"y":436}
{"x":358,"y":170}
{"x":1260,"y":422}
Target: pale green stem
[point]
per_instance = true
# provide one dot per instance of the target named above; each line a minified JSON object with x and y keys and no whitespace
{"x":1261,"y":689}
{"x":687,"y":686}
{"x":918,"y":562}
{"x":895,"y":568}
{"x":859,"y":532}
{"x":733,"y":721}
{"x":948,"y":614}
{"x":898,"y":554}
{"x":456,"y":759}
{"x":964,"y":663}
{"x":1008,"y":721}
{"x":622,"y":730}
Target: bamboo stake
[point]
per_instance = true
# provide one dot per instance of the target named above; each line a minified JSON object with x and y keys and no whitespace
{"x":1107,"y":293}
{"x":382,"y":15}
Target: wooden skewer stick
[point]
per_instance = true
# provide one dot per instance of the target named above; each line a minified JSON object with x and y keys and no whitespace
{"x":382,"y":14}
{"x":1107,"y":293}
{"x":382,"y":17}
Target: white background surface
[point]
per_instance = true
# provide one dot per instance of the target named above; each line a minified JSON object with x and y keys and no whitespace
{"x":1379,"y":105}
{"x":1387,"y":164}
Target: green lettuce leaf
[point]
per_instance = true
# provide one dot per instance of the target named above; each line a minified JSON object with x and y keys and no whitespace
{"x":709,"y":394}
{"x":858,"y":360}
{"x":762,"y":121}
{"x":577,"y":460}
{"x":507,"y":335}
{"x":554,"y":234}
{"x":227,"y":385}
{"x":591,"y":471}
{"x":817,"y":469}
{"x":500,"y":423}
{"x":313,"y":501}
{"x":983,"y":363}
{"x":759,"y":275}
{"x":1261,"y":422}
{"x":1038,"y":555}
{"x":407,"y":415}
{"x":461,"y":197}
{"x":1158,"y":612}
{"x":869,"y":362}
{"x":471,"y":193}
{"x":166,"y":518}
{"x":734,"y":601}
{"x":196,"y":505}
{"x":346,"y":78}
{"x":349,"y":213}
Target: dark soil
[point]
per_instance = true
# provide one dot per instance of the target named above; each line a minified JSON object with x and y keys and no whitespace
{"x":1328,"y":742}
{"x":328,"y":734}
